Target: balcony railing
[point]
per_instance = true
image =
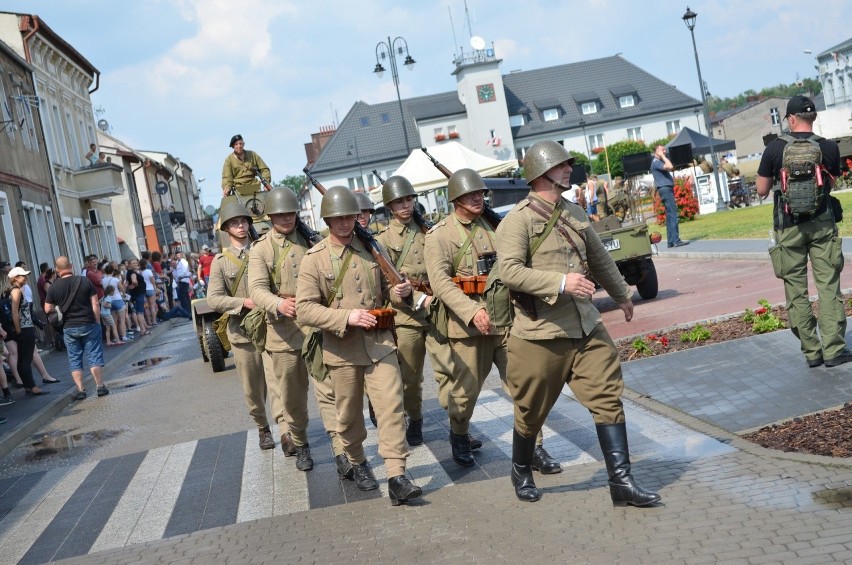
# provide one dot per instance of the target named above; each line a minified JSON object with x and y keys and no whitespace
{"x":99,"y":181}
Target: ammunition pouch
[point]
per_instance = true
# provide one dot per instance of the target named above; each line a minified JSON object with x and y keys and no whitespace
{"x":254,"y":326}
{"x":497,"y":298}
{"x":471,"y":284}
{"x":384,"y":318}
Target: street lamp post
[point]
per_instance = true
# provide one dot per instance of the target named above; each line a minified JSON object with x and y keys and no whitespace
{"x":689,"y":19}
{"x":586,"y":139}
{"x":389,"y":50}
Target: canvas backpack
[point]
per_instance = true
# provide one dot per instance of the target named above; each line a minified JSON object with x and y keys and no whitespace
{"x":801,"y":176}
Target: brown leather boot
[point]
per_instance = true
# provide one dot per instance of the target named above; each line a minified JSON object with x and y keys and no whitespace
{"x":265,"y":436}
{"x":287,"y":445}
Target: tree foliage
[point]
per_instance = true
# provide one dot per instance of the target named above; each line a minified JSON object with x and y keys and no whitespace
{"x":614,"y":153}
{"x":808,"y":86}
{"x":293,"y":182}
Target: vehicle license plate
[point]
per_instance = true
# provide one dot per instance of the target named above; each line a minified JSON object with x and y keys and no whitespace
{"x":611,"y":244}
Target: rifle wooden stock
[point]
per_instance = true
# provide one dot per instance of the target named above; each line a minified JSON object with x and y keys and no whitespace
{"x":525,"y":302}
{"x":488,"y":213}
{"x":424,"y":224}
{"x":390,"y":271}
{"x":302,"y":228}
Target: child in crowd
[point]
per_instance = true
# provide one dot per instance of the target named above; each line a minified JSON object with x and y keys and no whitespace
{"x":110,"y":329}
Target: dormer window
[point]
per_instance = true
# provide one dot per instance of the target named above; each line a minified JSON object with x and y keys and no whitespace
{"x":550,"y":114}
{"x":626,"y":101}
{"x":516,"y":120}
{"x":589,"y":108}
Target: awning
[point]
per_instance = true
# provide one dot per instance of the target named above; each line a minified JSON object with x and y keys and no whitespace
{"x":700,"y":143}
{"x":424,"y":176}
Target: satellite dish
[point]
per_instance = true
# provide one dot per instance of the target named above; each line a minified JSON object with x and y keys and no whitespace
{"x":103,"y":125}
{"x":193,"y":235}
{"x":477,"y":42}
{"x":209,"y":210}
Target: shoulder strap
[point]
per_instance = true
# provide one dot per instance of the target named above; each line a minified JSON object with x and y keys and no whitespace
{"x":243,"y":266}
{"x":405,"y":248}
{"x":278,"y":258}
{"x":339,"y":279}
{"x":457,"y":259}
{"x":561,"y":225}
{"x":70,"y":298}
{"x":548,"y":228}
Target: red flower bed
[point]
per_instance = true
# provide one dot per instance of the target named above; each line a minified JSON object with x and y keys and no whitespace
{"x":687,"y":205}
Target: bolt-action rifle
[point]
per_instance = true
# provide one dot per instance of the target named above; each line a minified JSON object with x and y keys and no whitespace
{"x":488,"y":213}
{"x":390,"y":271}
{"x":425,"y":226}
{"x":311,"y":236}
{"x":524,"y":301}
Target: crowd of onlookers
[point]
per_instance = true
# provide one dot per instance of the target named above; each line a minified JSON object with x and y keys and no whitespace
{"x":133,"y":296}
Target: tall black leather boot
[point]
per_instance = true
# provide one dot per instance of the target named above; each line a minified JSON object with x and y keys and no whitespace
{"x":622,"y":488}
{"x":414,"y":432}
{"x":522,"y":476}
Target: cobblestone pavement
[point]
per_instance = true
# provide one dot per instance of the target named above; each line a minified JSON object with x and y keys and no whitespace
{"x":166,"y":470}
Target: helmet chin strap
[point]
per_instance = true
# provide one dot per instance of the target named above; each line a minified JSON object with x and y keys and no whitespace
{"x":556,"y":184}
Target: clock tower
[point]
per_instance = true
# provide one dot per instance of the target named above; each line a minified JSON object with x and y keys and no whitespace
{"x":480,"y":88}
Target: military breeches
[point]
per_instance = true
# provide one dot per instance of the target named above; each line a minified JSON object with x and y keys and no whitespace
{"x":441,"y":357}
{"x":384,"y":388}
{"x":251,"y":370}
{"x":472,"y":359}
{"x":539,"y":369}
{"x":819,"y":240}
{"x":324,"y":395}
{"x":411,"y":352}
{"x":288,"y":387}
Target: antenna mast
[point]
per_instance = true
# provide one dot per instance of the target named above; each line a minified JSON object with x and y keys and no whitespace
{"x":467,"y":17}
{"x":456,"y":43}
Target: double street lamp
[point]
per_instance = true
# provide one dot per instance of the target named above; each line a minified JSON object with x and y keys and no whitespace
{"x":689,"y":19}
{"x":390,"y":50}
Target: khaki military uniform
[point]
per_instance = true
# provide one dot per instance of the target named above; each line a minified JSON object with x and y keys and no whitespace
{"x":250,"y":364}
{"x":238,"y":173}
{"x":357,"y":359}
{"x":412,"y":325}
{"x":472,"y":352}
{"x":284,"y":337}
{"x":567,"y":343}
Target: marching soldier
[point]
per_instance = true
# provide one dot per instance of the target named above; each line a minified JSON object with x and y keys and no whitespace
{"x":238,"y":170}
{"x":273,"y":271}
{"x":539,"y":240}
{"x":367,"y":209}
{"x":341,"y":291}
{"x":405,"y":243}
{"x":228,"y":293}
{"x":460,"y":251}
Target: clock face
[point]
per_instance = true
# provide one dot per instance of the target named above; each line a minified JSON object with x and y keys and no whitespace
{"x":485,"y":93}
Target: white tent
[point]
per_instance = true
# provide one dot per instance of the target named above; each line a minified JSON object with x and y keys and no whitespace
{"x":424,"y":176}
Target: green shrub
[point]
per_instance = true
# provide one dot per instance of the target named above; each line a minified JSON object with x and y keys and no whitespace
{"x":697,"y":333}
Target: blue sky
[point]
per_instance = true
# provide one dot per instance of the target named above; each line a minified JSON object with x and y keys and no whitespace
{"x":184,"y":75}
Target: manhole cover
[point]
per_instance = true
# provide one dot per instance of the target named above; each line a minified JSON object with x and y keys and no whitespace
{"x":150,"y":362}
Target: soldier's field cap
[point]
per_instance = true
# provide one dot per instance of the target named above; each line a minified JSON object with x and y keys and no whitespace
{"x":235,"y":139}
{"x":800,"y":104}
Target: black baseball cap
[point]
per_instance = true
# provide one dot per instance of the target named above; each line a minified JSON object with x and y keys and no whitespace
{"x":800,"y":104}
{"x":4,"y":264}
{"x":235,"y":139}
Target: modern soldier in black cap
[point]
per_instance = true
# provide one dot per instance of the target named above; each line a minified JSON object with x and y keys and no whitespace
{"x":238,"y":170}
{"x":801,"y":236}
{"x":548,"y":250}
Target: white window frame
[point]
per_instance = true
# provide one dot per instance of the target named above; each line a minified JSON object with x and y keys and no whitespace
{"x":596,"y":140}
{"x":73,"y":243}
{"x":589,"y":108}
{"x":516,"y":121}
{"x":626,"y":101}
{"x":550,"y":114}
{"x":75,"y":146}
{"x":59,"y":132}
{"x":8,"y":230}
{"x":634,"y":134}
{"x":673,"y":127}
{"x":113,"y":253}
{"x":356,"y":182}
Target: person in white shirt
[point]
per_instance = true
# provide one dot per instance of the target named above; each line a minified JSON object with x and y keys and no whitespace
{"x":183,"y":278}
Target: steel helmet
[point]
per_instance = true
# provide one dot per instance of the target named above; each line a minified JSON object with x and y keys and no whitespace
{"x":364,"y":201}
{"x":465,"y":181}
{"x":231,"y":210}
{"x":542,"y":157}
{"x":396,"y":187}
{"x":339,"y":201}
{"x":281,"y":200}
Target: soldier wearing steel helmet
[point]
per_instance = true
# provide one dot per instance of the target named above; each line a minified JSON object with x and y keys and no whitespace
{"x":367,"y":209}
{"x":272,"y":273}
{"x":462,"y":246}
{"x":341,"y":291}
{"x":228,"y":293}
{"x":405,"y":242}
{"x":238,"y":170}
{"x":567,"y":342}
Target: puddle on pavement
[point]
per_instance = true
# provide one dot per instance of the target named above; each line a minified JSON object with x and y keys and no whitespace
{"x":833,"y":496}
{"x":50,"y":445}
{"x":150,"y":362}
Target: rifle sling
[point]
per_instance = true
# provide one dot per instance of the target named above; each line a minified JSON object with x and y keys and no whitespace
{"x":243,"y":266}
{"x":561,"y":225}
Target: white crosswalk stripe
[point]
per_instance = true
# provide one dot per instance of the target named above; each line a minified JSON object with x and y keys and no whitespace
{"x":270,"y":484}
